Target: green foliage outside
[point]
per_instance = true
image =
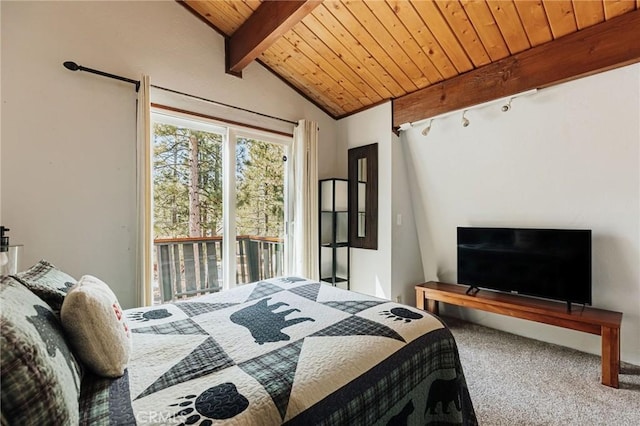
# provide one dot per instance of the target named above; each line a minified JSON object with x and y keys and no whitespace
{"x":259,"y":184}
{"x":260,"y":188}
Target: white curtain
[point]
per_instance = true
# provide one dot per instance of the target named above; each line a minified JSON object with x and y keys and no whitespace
{"x":143,"y":207}
{"x":305,"y":213}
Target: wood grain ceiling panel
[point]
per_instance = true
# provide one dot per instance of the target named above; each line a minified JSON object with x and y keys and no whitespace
{"x":327,"y":44}
{"x":327,"y":28}
{"x":296,"y":74}
{"x":424,"y":38}
{"x":324,"y":59}
{"x":534,"y":21}
{"x":508,"y":20}
{"x":562,"y":19}
{"x":313,"y":74}
{"x":486,"y":27}
{"x":588,"y":12}
{"x":439,"y":27}
{"x":233,"y":11}
{"x":364,"y":39}
{"x":613,"y":8}
{"x":386,"y":41}
{"x":405,"y":41}
{"x":464,"y":31}
{"x":348,"y":55}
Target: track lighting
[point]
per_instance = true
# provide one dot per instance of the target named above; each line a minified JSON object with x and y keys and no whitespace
{"x":427,"y":129}
{"x":465,"y":120}
{"x":505,"y":106}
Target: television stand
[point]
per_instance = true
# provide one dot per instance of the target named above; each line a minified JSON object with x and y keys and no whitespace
{"x":589,"y":320}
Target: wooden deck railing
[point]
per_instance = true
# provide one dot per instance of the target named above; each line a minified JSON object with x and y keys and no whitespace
{"x":192,"y":266}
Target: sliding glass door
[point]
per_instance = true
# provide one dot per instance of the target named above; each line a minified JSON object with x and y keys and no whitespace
{"x":211,"y":182}
{"x":260,"y":208}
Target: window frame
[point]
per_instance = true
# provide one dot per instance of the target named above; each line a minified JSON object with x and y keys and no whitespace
{"x":230,"y":134}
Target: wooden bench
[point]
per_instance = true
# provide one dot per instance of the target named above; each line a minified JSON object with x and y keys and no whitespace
{"x":590,"y":320}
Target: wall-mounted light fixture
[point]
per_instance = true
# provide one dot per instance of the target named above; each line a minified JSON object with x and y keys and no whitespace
{"x":506,"y":106}
{"x":465,"y":120}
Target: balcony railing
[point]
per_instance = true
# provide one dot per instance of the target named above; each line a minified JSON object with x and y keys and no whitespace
{"x":192,"y":266}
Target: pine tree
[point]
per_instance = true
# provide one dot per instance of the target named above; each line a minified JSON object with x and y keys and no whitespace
{"x":187,"y":175}
{"x":260,"y":197}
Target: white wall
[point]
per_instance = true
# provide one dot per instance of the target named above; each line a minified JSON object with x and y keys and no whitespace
{"x":406,"y":262}
{"x":68,"y":139}
{"x":394,"y":268}
{"x":371,"y":269}
{"x":565,"y":157}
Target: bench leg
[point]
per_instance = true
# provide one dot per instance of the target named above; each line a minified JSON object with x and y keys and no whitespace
{"x":419,"y":298}
{"x":610,"y":356}
{"x":432,"y":306}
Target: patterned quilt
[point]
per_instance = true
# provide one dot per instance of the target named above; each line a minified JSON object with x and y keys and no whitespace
{"x":284,"y":351}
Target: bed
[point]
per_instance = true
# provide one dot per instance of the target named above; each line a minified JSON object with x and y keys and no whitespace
{"x":286,"y":350}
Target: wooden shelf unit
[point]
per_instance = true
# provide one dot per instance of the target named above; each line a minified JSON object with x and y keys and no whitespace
{"x":589,"y":320}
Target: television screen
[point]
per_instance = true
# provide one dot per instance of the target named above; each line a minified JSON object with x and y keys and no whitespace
{"x":548,"y":263}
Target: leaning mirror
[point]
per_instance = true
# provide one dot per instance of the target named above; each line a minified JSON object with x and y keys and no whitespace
{"x":363,"y":197}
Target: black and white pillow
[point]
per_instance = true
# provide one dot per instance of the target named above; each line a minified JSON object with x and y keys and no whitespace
{"x":47,"y":282}
{"x":40,"y":375}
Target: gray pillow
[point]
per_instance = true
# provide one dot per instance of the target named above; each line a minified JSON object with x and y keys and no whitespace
{"x":47,"y":282}
{"x":40,"y":375}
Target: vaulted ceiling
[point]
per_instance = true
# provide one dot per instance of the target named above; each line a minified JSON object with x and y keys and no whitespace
{"x":346,"y":56}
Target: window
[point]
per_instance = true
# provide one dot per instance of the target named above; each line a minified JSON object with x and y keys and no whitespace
{"x":202,"y":195}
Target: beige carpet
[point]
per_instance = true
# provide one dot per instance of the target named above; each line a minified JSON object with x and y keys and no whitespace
{"x":514,"y":380}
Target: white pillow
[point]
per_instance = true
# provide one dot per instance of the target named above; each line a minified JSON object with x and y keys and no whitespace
{"x":96,"y":328}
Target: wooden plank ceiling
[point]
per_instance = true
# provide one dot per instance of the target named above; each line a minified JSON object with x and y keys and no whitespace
{"x":346,"y":56}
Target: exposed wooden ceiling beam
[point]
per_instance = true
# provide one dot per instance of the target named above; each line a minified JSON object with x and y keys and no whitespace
{"x":266,"y":24}
{"x":611,"y":44}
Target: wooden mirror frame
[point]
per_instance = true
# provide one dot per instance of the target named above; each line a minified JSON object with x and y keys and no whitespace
{"x":370,"y":238}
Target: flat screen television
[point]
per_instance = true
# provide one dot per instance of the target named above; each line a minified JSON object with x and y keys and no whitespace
{"x":548,"y":263}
